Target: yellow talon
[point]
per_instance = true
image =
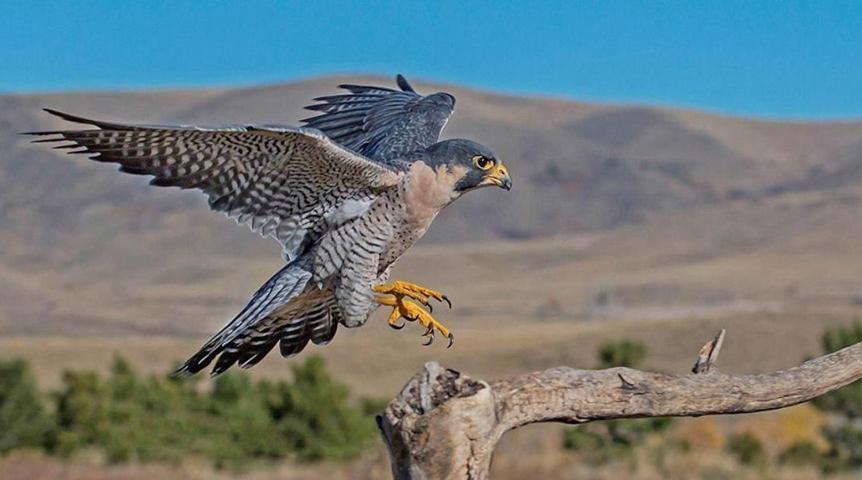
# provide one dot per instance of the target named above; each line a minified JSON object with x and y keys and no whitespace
{"x":396,"y":312}
{"x":401,"y":296}
{"x":416,"y":292}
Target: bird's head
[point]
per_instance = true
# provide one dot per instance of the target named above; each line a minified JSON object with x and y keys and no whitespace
{"x":477,"y":164}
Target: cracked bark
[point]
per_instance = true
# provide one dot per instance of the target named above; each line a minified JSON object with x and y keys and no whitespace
{"x":445,"y":425}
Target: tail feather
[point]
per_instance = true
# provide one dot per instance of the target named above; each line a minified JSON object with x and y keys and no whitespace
{"x":308,"y":326}
{"x":251,"y":357}
{"x":257,"y":328}
{"x":324,"y":329}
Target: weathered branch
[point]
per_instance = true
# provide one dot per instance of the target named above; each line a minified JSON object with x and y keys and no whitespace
{"x":445,"y":425}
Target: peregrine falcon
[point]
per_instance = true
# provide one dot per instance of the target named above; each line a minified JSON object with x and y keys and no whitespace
{"x":345,"y":196}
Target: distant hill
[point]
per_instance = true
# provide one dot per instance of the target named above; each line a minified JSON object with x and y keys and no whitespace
{"x":76,"y":231}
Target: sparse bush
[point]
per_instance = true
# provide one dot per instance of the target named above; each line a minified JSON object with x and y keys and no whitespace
{"x":612,"y":439}
{"x":82,"y":411}
{"x":801,"y":453}
{"x":315,"y":417}
{"x":845,"y":448}
{"x":602,"y":442}
{"x":845,"y":437}
{"x":596,"y":447}
{"x":24,"y":421}
{"x":848,"y":400}
{"x":157,"y":418}
{"x":747,"y":449}
{"x":623,"y":353}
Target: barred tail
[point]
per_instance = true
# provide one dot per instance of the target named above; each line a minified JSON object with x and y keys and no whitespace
{"x":282,"y":309}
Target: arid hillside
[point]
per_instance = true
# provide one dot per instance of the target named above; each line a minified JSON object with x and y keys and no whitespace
{"x":577,"y":166}
{"x":624,"y":207}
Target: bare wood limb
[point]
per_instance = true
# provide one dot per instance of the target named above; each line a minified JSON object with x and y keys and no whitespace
{"x":445,"y":425}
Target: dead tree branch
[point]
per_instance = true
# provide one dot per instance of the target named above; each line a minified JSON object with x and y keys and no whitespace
{"x":445,"y":425}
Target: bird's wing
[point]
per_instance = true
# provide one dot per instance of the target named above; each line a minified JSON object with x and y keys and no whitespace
{"x":282,"y":182}
{"x":382,"y":123}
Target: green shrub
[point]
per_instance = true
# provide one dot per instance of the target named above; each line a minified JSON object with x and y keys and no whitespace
{"x":82,"y":411}
{"x":596,"y":447}
{"x":315,"y":416}
{"x":610,"y":440}
{"x":747,"y":449}
{"x":142,"y":419}
{"x":623,"y":353}
{"x":246,"y":430}
{"x":801,"y":453}
{"x":846,"y":401}
{"x":601,"y":442}
{"x":844,"y":436}
{"x":845,"y":447}
{"x":839,"y":337}
{"x":23,"y":419}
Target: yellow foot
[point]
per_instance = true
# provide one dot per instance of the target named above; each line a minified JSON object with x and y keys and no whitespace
{"x":405,"y":289}
{"x":401,"y":296}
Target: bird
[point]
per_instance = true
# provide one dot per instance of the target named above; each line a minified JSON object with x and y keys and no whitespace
{"x":345,"y":195}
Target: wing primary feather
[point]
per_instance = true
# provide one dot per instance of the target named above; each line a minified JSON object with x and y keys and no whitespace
{"x":87,"y":121}
{"x":403,"y":84}
{"x":364,"y":88}
{"x":350,"y":97}
{"x":339,"y":105}
{"x":382,"y":123}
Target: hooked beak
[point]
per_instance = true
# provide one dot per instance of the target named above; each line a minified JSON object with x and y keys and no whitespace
{"x":498,"y":176}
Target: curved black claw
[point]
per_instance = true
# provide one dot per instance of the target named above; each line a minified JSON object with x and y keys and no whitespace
{"x":446,"y":299}
{"x":396,"y":326}
{"x":429,"y":332}
{"x":429,"y":307}
{"x":451,"y":340}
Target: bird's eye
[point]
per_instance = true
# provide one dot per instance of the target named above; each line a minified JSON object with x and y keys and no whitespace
{"x":483,"y":163}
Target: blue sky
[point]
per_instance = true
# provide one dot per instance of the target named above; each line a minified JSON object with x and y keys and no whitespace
{"x":764,"y":58}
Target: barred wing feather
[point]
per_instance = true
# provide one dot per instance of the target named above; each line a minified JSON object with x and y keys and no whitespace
{"x":282,"y":182}
{"x":382,"y":123}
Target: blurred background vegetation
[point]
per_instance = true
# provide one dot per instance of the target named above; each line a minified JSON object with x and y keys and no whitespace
{"x":133,"y":418}
{"x":237,"y":424}
{"x":619,"y":440}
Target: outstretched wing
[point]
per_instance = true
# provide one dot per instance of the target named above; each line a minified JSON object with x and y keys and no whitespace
{"x":382,"y":123}
{"x":283,"y":182}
